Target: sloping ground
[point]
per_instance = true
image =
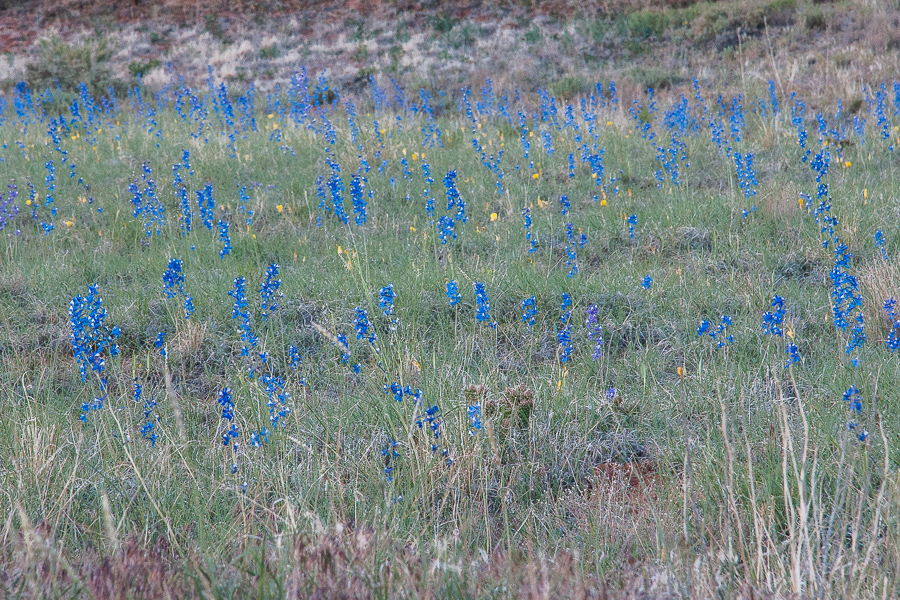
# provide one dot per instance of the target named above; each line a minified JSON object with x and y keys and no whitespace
{"x":824,"y":50}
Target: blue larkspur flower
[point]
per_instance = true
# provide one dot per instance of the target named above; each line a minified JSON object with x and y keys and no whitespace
{"x":529,"y":311}
{"x":482,"y":305}
{"x":453,"y":295}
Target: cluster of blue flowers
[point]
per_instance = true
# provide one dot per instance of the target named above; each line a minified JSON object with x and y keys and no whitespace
{"x":173,"y":285}
{"x":571,"y":254}
{"x":357,"y":193}
{"x":432,"y":420}
{"x":879,"y":243}
{"x":474,"y":413}
{"x":49,"y":202}
{"x":223,"y":237}
{"x":147,"y":205}
{"x":529,"y":311}
{"x":846,"y":299}
{"x":482,"y":305}
{"x":595,"y":331}
{"x":259,"y":438}
{"x":181,"y":193}
{"x":93,"y":343}
{"x":854,"y":406}
{"x":564,"y":332}
{"x":529,"y":235}
{"x":386,"y":297}
{"x":8,"y":209}
{"x":772,"y":320}
{"x":453,"y":295}
{"x":231,"y":434}
{"x":720,"y":334}
{"x":268,"y":291}
{"x":277,"y":399}
{"x":389,"y":453}
{"x":446,"y":229}
{"x":243,"y":206}
{"x":148,"y":429}
{"x":91,"y":339}
{"x":160,"y":343}
{"x":453,"y":197}
{"x":400,"y":392}
{"x":364,"y":330}
{"x":746,"y":174}
{"x":241,"y":310}
{"x":207,"y":205}
{"x":336,"y":186}
{"x":893,"y":339}
{"x":429,"y":199}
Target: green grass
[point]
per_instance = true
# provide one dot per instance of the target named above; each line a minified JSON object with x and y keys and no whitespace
{"x":716,"y":468}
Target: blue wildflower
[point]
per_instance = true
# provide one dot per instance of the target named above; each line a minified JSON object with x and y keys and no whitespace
{"x":390,"y":453}
{"x":159,"y":344}
{"x":207,"y":205}
{"x":293,"y":356}
{"x":793,"y":355}
{"x":474,"y":413}
{"x":772,"y":321}
{"x":277,"y":399}
{"x":91,"y":340}
{"x":853,"y":399}
{"x":529,"y":311}
{"x":173,"y":278}
{"x":241,"y":310}
{"x":258,"y":438}
{"x":445,"y":227}
{"x":400,"y":392}
{"x":223,"y":237}
{"x":245,"y":210}
{"x":893,"y":339}
{"x":364,"y":330}
{"x":453,"y":197}
{"x":386,"y":299}
{"x":357,"y":188}
{"x":483,"y":306}
{"x":268,"y":291}
{"x":721,"y":334}
{"x":595,"y":331}
{"x":564,"y":332}
{"x":453,"y":295}
{"x":879,"y":243}
{"x":703,"y":328}
{"x":147,"y":430}
{"x":529,"y":235}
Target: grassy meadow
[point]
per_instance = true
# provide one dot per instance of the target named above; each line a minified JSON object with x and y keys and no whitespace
{"x":648,"y":423}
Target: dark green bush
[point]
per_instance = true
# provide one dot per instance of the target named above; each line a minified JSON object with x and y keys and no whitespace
{"x":442,"y":22}
{"x":654,"y":78}
{"x":568,"y":87}
{"x":645,"y":24}
{"x":140,"y":68}
{"x":69,"y":65}
{"x":272,"y":51}
{"x":533,"y":35}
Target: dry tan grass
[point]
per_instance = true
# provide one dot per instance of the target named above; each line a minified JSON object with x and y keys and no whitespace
{"x":781,"y":201}
{"x":188,"y":339}
{"x":878,"y":280}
